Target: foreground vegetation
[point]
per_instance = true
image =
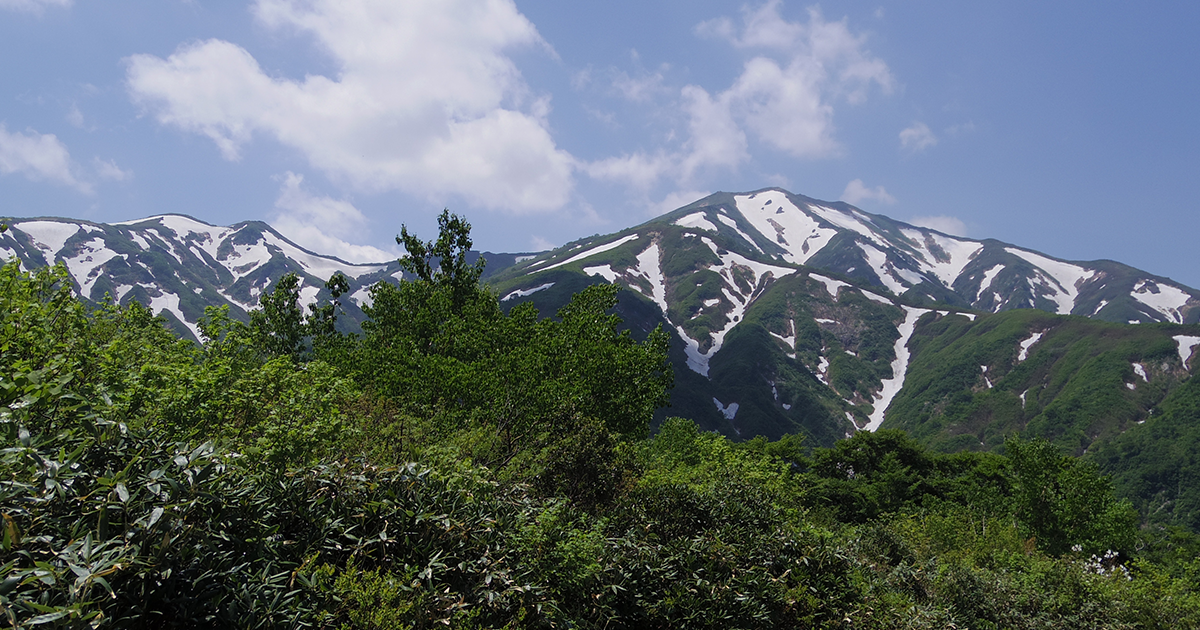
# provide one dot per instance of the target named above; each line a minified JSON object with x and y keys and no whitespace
{"x":458,"y":466}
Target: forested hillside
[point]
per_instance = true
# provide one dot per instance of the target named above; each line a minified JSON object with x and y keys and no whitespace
{"x":458,"y":465}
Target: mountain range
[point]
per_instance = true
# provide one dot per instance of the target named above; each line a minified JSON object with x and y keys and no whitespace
{"x":789,"y":314}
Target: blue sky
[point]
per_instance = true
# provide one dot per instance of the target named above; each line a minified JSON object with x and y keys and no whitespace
{"x":1066,"y":127}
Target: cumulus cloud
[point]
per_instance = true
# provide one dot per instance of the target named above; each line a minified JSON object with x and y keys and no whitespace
{"x":917,"y":137}
{"x":945,"y":224}
{"x":39,"y":157}
{"x":784,"y":97}
{"x":108,"y":169}
{"x":33,"y":6}
{"x":425,"y":99}
{"x":857,"y":192}
{"x":322,"y":224}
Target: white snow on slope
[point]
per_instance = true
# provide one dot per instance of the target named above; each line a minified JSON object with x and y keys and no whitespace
{"x":170,"y":302}
{"x":50,"y":236}
{"x":649,"y":265}
{"x":599,"y":249}
{"x":697,"y":360}
{"x":986,"y":283}
{"x":1028,"y":343}
{"x":696,"y":220}
{"x":526,"y":292}
{"x":729,"y":412}
{"x":1068,"y":277}
{"x":604,"y":271}
{"x":959,"y":251}
{"x":1140,"y":370}
{"x":850,"y":221}
{"x":733,"y":224}
{"x":875,"y":297}
{"x":775,"y":217}
{"x":362,"y":297}
{"x":1168,"y":299}
{"x":877,"y":259}
{"x":831,"y":285}
{"x":1186,"y":345}
{"x":892,"y":386}
{"x":85,"y":266}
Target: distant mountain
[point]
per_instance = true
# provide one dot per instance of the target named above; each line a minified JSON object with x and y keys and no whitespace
{"x":790,"y":314}
{"x":799,"y":315}
{"x":178,"y":265}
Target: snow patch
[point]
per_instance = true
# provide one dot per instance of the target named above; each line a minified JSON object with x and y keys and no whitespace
{"x":733,"y":224}
{"x":170,"y":302}
{"x":1028,"y":343}
{"x":85,"y":267}
{"x":960,"y":252}
{"x":729,"y":412}
{"x":1140,"y":370}
{"x":696,"y":220}
{"x":1186,"y":345}
{"x":604,"y":271}
{"x":846,"y":220}
{"x":599,"y":249}
{"x":308,"y":295}
{"x":831,"y":285}
{"x":777,"y":219}
{"x":48,"y":236}
{"x":1067,"y":276}
{"x":986,"y":283}
{"x":892,"y":386}
{"x":526,"y":292}
{"x":362,"y":297}
{"x":876,"y":297}
{"x":1163,"y":298}
{"x":1130,"y":386}
{"x":877,"y":258}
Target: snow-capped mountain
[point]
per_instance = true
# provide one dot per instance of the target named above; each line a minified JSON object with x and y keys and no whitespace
{"x":177,"y":265}
{"x":789,"y":314}
{"x":798,"y":314}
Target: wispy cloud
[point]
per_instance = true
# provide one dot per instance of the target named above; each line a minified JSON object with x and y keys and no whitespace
{"x":945,"y":224}
{"x":857,"y":192}
{"x":39,"y":157}
{"x":917,"y":137}
{"x":323,"y":224}
{"x":33,"y":6}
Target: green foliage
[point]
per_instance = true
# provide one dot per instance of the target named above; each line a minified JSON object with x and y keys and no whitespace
{"x":267,"y":479}
{"x":1064,"y":502}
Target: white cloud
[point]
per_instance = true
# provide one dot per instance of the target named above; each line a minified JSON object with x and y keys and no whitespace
{"x":540,"y":244}
{"x":38,"y":157}
{"x":785,"y":97}
{"x":643,"y":88}
{"x":425,"y":99}
{"x":108,"y":169}
{"x":856,"y":192}
{"x":917,"y":137}
{"x":946,"y":224}
{"x":32,"y":6}
{"x":322,"y":224}
{"x":677,"y":200}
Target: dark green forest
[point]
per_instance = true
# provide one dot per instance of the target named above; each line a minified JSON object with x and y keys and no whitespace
{"x":455,"y":465}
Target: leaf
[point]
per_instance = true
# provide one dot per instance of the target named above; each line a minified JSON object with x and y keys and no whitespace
{"x":122,"y":493}
{"x":48,"y":617}
{"x":155,"y":514}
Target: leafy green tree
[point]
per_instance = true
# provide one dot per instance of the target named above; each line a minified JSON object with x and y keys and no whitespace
{"x":1064,"y":501}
